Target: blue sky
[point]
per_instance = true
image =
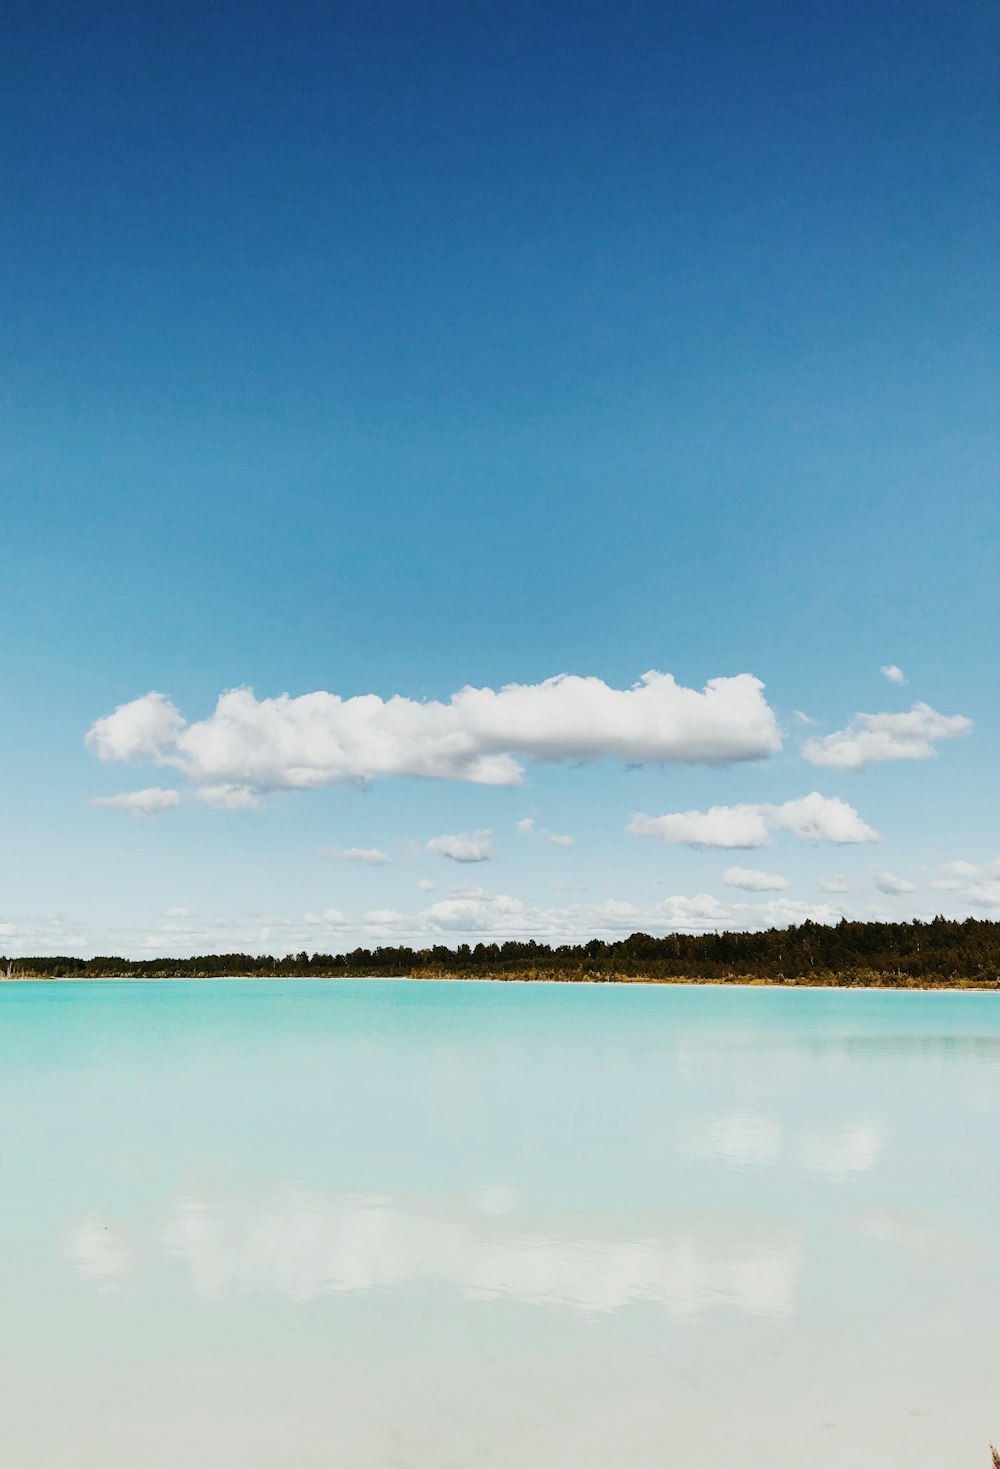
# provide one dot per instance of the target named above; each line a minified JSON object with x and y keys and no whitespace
{"x":377,"y":350}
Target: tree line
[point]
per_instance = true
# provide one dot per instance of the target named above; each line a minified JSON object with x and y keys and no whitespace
{"x":936,"y":952}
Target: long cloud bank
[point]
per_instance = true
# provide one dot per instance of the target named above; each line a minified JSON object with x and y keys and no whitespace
{"x":250,"y":745}
{"x":961,"y":890}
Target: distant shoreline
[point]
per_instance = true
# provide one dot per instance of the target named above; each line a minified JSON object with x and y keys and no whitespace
{"x":937,"y":953}
{"x":891,"y":984}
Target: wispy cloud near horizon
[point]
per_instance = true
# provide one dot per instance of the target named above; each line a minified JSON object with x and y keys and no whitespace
{"x":152,"y":801}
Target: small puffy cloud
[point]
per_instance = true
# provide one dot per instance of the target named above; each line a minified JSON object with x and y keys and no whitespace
{"x":720,"y":826}
{"x":752,"y":880}
{"x":464,"y":846}
{"x":228,"y":797}
{"x":871,"y":738}
{"x":152,"y":801}
{"x":480,"y":735}
{"x":813,"y":818}
{"x":389,"y":925}
{"x":818,"y":818}
{"x":178,"y":913}
{"x":527,"y":827}
{"x":425,"y":885}
{"x":137,"y":731}
{"x":329,"y":918}
{"x":835,"y":883}
{"x":886,"y":882}
{"x":370,"y":856}
{"x":977,"y":883}
{"x":803,"y":718}
{"x":472,"y":914}
{"x":892,"y":673}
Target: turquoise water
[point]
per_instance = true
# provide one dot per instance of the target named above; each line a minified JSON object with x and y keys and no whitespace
{"x":381,"y":1223}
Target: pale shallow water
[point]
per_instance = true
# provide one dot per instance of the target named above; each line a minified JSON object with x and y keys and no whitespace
{"x":379,"y":1223}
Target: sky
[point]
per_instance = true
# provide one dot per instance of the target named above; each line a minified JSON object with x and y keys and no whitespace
{"x":495,"y":472}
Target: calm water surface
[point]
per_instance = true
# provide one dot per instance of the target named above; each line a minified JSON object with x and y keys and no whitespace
{"x":379,"y":1223}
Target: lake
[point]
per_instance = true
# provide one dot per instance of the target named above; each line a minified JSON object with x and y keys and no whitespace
{"x":382,"y":1223}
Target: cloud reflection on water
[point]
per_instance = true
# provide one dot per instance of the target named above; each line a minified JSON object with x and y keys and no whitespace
{"x":303,"y":1244}
{"x":741,"y":1139}
{"x":98,"y":1251}
{"x":854,"y":1148}
{"x":736,"y":1138}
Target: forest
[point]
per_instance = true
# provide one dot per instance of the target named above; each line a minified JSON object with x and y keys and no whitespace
{"x":939,"y":952}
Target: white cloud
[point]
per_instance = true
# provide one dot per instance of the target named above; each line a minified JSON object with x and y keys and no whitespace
{"x":813,"y":817}
{"x":386,"y":920}
{"x":140,"y":730}
{"x":803,"y":718}
{"x":370,"y":856}
{"x":753,"y":880}
{"x":319,"y":738}
{"x":48,"y":933}
{"x":526,"y":826}
{"x":329,"y":918}
{"x":178,"y":913}
{"x":720,"y":826}
{"x":704,"y":913}
{"x":471,"y":914}
{"x":152,"y":801}
{"x":977,"y":884}
{"x":892,"y":673}
{"x":886,"y":882}
{"x":425,"y":885}
{"x":819,"y":818}
{"x":464,"y":846}
{"x":871,"y":738}
{"x":835,"y":883}
{"x":228,"y":797}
